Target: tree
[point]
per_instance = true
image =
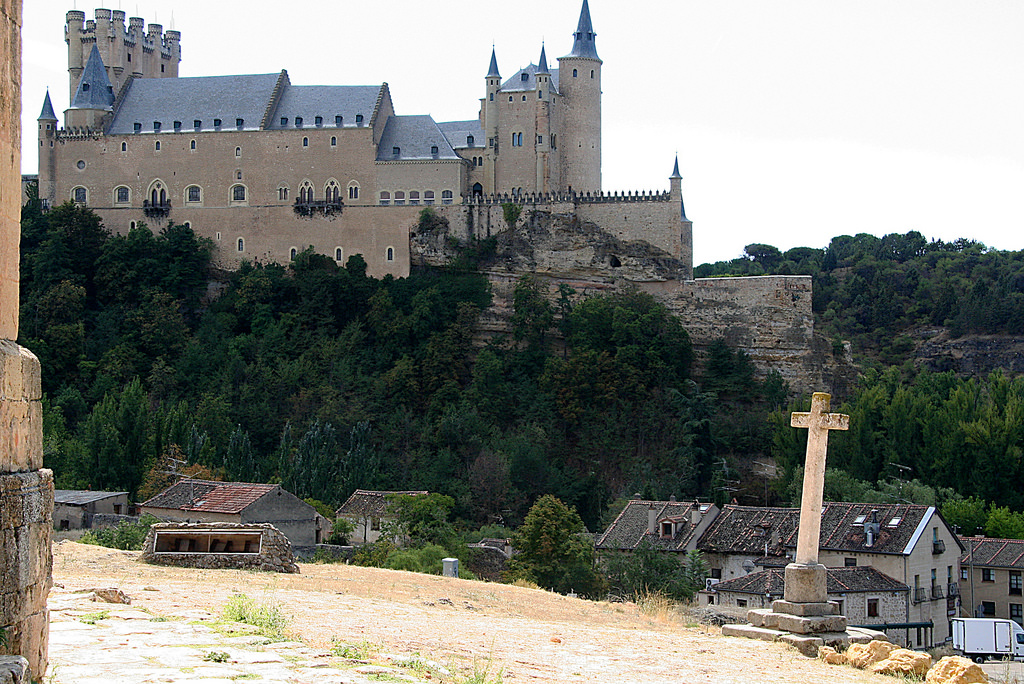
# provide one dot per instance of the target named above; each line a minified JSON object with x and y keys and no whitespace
{"x":553,"y":552}
{"x":968,"y":515}
{"x":421,"y":519}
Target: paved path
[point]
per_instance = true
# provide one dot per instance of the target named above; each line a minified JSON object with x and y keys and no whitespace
{"x":103,"y":643}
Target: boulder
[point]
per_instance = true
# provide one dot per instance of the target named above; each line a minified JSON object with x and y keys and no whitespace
{"x":904,"y":662}
{"x":864,"y":656}
{"x":956,"y":670}
{"x":831,"y":656}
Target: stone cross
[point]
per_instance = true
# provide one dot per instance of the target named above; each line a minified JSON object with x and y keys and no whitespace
{"x":818,"y":422}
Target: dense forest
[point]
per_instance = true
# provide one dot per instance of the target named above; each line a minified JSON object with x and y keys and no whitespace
{"x":326,"y":380}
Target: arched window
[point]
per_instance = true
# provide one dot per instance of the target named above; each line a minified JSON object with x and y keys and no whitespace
{"x":399,"y":197}
{"x":591,"y":73}
{"x":282,"y":193}
{"x":193,"y":193}
{"x":238,"y":151}
{"x":446,"y":197}
{"x":305,"y":142}
{"x":478,"y":189}
{"x":241,"y":245}
{"x":306,"y":192}
{"x":414,"y":197}
{"x":391,"y":254}
{"x":192,"y":144}
{"x":574,"y":73}
{"x":156,"y":146}
{"x":334,"y":141}
{"x":332,"y":193}
{"x":385,"y":198}
{"x":124,"y":147}
{"x":337,"y":254}
{"x":131,"y":225}
{"x":237,"y":193}
{"x":428,"y":196}
{"x":122,"y":195}
{"x":292,"y":253}
{"x":353,"y":190}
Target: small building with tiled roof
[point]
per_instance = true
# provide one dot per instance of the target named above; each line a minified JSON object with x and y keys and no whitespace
{"x":909,"y":542}
{"x":367,"y":510}
{"x":672,"y":526}
{"x":991,"y":573}
{"x":865,"y":595}
{"x":205,"y":501}
{"x":74,"y":509}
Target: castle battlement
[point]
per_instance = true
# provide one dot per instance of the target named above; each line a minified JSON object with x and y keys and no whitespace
{"x":541,"y":198}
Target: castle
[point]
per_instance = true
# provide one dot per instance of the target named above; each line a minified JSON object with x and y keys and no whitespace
{"x":266,"y":168}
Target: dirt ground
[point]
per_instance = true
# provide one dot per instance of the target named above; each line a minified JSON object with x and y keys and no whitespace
{"x":526,"y":635}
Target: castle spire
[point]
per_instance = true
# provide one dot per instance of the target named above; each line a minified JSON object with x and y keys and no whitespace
{"x":542,"y":63}
{"x":675,"y":170}
{"x":47,"y":113}
{"x":676,"y":188}
{"x":493,"y":69}
{"x":584,"y":45}
{"x":94,"y":88}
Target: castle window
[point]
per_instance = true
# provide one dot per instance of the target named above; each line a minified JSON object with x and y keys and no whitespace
{"x":156,"y":146}
{"x":177,"y":126}
{"x":284,"y":120}
{"x":216,"y":123}
{"x":524,"y":78}
{"x":80,"y":195}
{"x":591,"y":73}
{"x":470,"y":141}
{"x":428,"y":196}
{"x":124,"y":147}
{"x":332,"y":193}
{"x":162,"y":68}
{"x":241,"y":245}
{"x":396,"y":151}
{"x":334,"y":141}
{"x":292,"y":252}
{"x":353,"y":191}
{"x":385,"y":198}
{"x":319,"y":121}
{"x":197,"y":124}
{"x":238,"y":151}
{"x":239,"y":123}
{"x":524,"y":98}
{"x":305,"y":142}
{"x":187,"y":224}
{"x":414,"y":197}
{"x":492,"y":97}
{"x":391,"y":254}
{"x":129,"y":56}
{"x":282,"y":194}
{"x":446,"y":197}
{"x":131,"y":225}
{"x":540,"y":139}
{"x":554,"y":139}
{"x":80,"y":164}
{"x":338,"y":120}
{"x":193,"y":193}
{"x":138,"y":127}
{"x":433,"y":149}
{"x":399,"y":197}
{"x":85,"y":87}
{"x":574,"y":74}
{"x":509,"y":98}
{"x":238,"y":175}
{"x":337,"y":254}
{"x":238,"y":193}
{"x":298,"y":122}
{"x":306,"y":192}
{"x":123,"y":195}
{"x":359,"y":118}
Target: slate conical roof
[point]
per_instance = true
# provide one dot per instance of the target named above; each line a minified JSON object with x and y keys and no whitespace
{"x":583,"y":45}
{"x":47,"y":113}
{"x":675,"y":169}
{"x":493,"y":69}
{"x":542,"y":64}
{"x":94,"y":89}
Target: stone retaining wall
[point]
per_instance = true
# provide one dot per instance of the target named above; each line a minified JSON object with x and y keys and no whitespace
{"x":275,"y":550}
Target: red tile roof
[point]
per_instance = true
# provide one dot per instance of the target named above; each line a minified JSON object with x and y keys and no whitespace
{"x":210,"y":497}
{"x":999,"y":553}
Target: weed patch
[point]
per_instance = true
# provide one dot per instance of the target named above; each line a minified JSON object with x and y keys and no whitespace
{"x":268,"y":618}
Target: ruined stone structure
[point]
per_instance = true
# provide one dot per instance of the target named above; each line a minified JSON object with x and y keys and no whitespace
{"x":219,"y":545}
{"x":26,"y":490}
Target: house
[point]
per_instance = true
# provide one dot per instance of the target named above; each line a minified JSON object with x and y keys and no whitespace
{"x":367,"y":510}
{"x":865,"y":596}
{"x":74,"y":509}
{"x":910,"y":543}
{"x":670,"y":526}
{"x":990,"y":573}
{"x":203,"y":501}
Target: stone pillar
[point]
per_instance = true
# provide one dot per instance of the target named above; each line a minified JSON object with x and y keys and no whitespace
{"x":26,"y":490}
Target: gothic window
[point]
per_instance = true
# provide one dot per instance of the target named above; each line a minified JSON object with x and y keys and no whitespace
{"x":282,"y":193}
{"x":385,"y":198}
{"x":428,"y":196}
{"x":391,"y":254}
{"x":469,"y":141}
{"x":414,"y":197}
{"x":306,"y":192}
{"x":337,"y":254}
{"x":399,"y":197}
{"x":238,"y":193}
{"x":241,"y":245}
{"x":332,"y":193}
{"x":123,"y":195}
{"x":478,"y":189}
{"x":353,"y":191}
{"x":193,"y":193}
{"x":446,"y":197}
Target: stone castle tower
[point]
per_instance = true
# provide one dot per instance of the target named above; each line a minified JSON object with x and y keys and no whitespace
{"x":543,"y":127}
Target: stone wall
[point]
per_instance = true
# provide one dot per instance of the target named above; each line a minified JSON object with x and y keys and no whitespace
{"x":275,"y":550}
{"x":26,"y":491}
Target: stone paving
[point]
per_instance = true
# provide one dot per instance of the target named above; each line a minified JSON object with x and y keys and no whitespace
{"x":95,"y":642}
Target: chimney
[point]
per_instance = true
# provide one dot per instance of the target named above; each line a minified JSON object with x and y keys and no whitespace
{"x":871,"y":528}
{"x":695,"y":515}
{"x":652,"y":520}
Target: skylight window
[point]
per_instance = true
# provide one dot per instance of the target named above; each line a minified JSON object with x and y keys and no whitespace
{"x":859,"y":520}
{"x":894,"y":522}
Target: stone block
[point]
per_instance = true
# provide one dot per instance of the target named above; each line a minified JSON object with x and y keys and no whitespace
{"x":790,"y":608}
{"x":758,"y":616}
{"x":807,"y":645}
{"x":20,"y":378}
{"x":751,"y":632}
{"x":811,"y":624}
{"x":13,"y":670}
{"x":863,"y":635}
{"x":805,"y":583}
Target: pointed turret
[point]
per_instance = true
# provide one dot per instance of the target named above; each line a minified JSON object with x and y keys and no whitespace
{"x":542,"y":63}
{"x":47,"y":113}
{"x":676,"y":188}
{"x":94,"y":89}
{"x":675,"y":171}
{"x":493,"y":69}
{"x":584,"y":45}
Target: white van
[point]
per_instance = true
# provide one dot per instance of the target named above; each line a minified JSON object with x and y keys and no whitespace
{"x":981,"y":638}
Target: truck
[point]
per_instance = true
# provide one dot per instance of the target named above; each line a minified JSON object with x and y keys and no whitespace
{"x":982,"y":638}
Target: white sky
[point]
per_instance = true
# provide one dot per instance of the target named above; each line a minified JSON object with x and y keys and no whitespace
{"x":794,"y":120}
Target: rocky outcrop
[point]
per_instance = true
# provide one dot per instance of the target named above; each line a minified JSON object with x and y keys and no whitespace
{"x":968,"y":356}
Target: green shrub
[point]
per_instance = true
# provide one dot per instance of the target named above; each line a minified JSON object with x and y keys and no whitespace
{"x":126,"y":536}
{"x":373,"y":555}
{"x":268,"y":617}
